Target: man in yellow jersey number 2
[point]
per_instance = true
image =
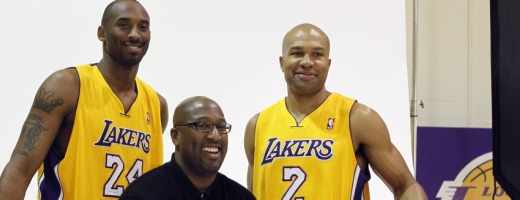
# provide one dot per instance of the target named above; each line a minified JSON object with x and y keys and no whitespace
{"x":316,"y":144}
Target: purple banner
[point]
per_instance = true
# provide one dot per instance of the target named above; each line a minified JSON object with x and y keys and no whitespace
{"x":456,"y":163}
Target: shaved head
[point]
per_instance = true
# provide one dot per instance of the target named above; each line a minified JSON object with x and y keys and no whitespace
{"x":186,"y":108}
{"x":109,"y":10}
{"x":303,"y":30}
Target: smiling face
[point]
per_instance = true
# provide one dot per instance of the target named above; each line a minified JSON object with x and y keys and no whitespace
{"x":125,"y":32}
{"x":201,"y":153}
{"x":305,"y":60}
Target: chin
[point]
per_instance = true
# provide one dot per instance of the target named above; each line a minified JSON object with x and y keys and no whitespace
{"x":211,"y":168}
{"x":305,"y":91}
{"x":132,"y":61}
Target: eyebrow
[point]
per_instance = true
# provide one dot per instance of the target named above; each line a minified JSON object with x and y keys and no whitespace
{"x":128,"y":19}
{"x":299,"y":48}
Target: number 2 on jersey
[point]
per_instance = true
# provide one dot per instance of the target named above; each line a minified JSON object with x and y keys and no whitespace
{"x":300,"y":177}
{"x":115,"y":162}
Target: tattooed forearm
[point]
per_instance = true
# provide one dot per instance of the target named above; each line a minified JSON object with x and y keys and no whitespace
{"x":32,"y":129}
{"x":44,"y":103}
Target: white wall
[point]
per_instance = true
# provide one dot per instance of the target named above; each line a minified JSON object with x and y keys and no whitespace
{"x":227,"y":50}
{"x":454,"y":62}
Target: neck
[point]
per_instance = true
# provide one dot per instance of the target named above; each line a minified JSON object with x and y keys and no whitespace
{"x":119,"y":78}
{"x":302,"y":105}
{"x":201,"y":182}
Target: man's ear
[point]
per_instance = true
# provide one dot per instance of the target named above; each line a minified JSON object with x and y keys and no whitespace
{"x":174,"y":133}
{"x":281,"y":62}
{"x":101,"y":33}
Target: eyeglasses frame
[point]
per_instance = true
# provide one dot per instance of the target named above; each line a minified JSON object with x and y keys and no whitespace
{"x":195,"y":124}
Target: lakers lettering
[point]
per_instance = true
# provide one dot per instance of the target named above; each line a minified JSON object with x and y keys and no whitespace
{"x":123,"y":136}
{"x":321,"y":149}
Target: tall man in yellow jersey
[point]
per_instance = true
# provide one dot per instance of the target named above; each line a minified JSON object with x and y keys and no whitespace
{"x":316,"y":144}
{"x":93,"y":128}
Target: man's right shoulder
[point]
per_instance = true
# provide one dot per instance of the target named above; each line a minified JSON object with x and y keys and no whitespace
{"x":72,"y":73}
{"x":65,"y":77}
{"x":275,"y":105}
{"x":63,"y":84}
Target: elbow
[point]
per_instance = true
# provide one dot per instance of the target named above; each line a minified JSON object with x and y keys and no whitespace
{"x":410,"y":191}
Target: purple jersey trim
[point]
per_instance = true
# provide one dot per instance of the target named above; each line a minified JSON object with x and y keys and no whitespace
{"x":49,"y":185}
{"x":360,"y":179}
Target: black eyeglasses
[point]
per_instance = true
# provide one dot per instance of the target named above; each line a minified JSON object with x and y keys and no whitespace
{"x":222,"y":128}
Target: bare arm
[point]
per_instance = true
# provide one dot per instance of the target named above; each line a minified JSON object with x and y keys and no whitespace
{"x":371,"y":138}
{"x":54,"y":101}
{"x":249,"y":147}
{"x":164,"y":112}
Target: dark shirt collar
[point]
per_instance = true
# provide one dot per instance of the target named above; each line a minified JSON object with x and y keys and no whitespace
{"x":192,"y":189}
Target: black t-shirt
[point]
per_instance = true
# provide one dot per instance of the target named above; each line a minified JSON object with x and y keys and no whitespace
{"x":169,"y":182}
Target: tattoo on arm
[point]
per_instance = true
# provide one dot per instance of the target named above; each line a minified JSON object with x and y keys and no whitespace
{"x":32,"y":129}
{"x":42,"y":98}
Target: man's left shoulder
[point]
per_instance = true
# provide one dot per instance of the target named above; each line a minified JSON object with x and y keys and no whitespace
{"x":230,"y":182}
{"x":236,"y":188}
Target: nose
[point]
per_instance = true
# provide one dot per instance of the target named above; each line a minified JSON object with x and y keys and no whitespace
{"x":134,"y":34}
{"x":306,"y":61}
{"x":213,"y":133}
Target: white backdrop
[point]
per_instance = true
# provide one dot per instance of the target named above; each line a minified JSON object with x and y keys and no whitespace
{"x":227,"y":50}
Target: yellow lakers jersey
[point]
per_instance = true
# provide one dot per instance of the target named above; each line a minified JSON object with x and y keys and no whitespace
{"x":108,"y":148}
{"x":314,"y":159}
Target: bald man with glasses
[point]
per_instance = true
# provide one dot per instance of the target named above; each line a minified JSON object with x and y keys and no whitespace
{"x":200,"y":135}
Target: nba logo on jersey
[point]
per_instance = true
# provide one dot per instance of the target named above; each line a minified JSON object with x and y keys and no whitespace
{"x":330,"y":124}
{"x":147,"y":117}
